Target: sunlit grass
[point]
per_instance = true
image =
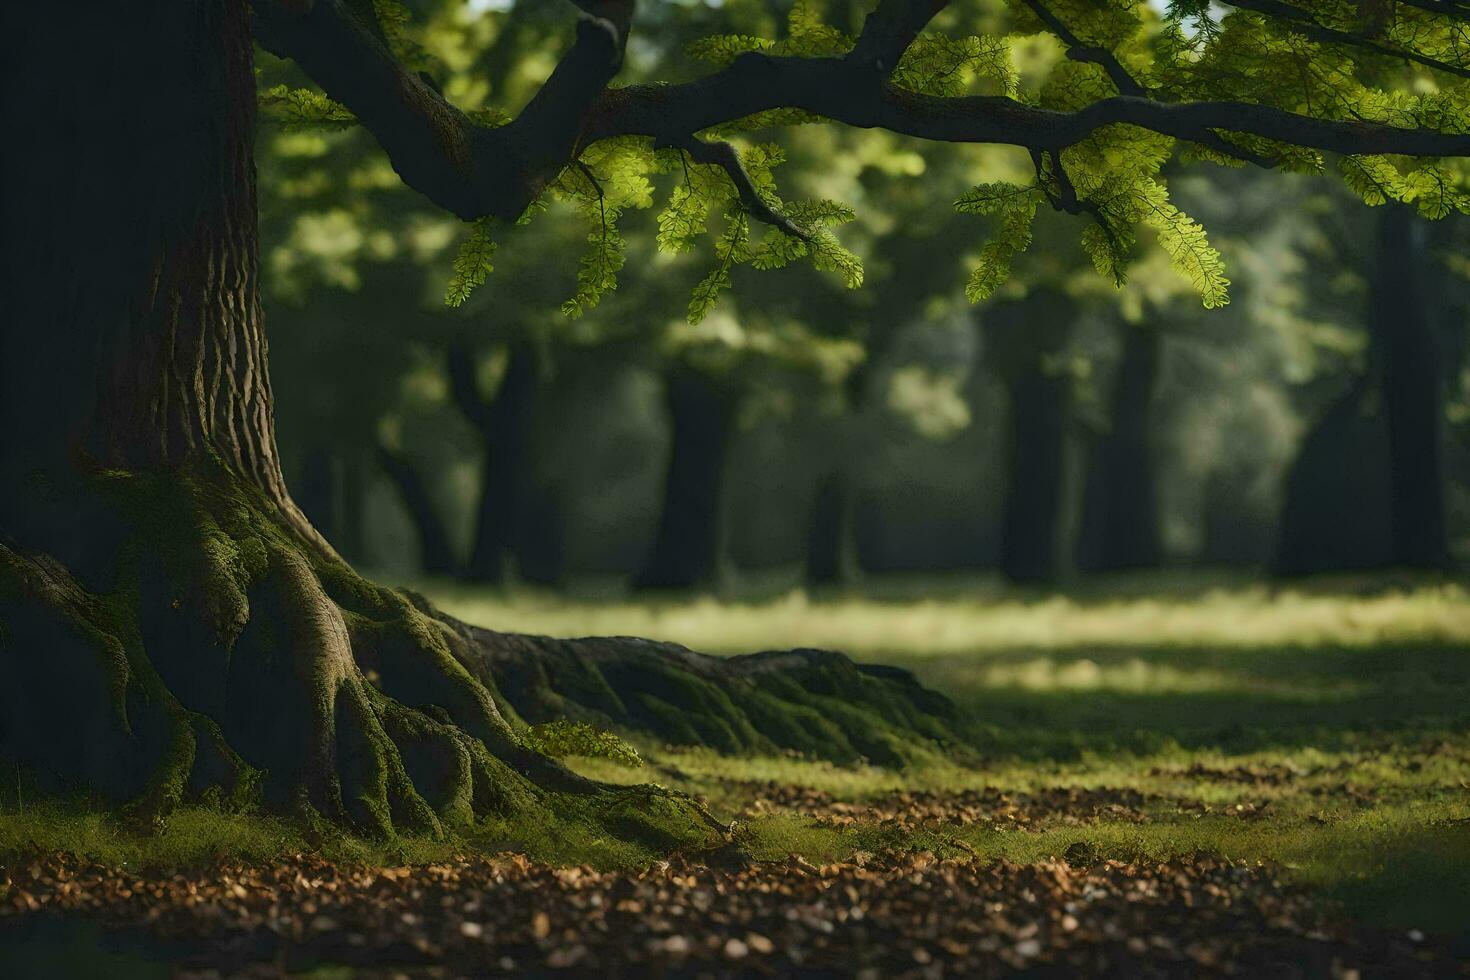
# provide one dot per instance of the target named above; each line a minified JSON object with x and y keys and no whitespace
{"x":1251,"y":617}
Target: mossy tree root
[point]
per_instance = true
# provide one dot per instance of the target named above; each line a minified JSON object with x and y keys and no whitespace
{"x":815,"y":703}
{"x":217,"y":655}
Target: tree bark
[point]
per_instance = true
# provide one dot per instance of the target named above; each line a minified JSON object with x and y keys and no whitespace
{"x":689,"y":545}
{"x":171,"y":626}
{"x":133,"y":271}
{"x":1120,"y":528}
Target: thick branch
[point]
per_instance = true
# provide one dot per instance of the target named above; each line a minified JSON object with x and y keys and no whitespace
{"x":470,"y":170}
{"x":889,"y":30}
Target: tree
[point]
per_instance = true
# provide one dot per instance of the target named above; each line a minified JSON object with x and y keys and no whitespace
{"x":1024,"y":338}
{"x":1120,"y":521}
{"x":172,"y":622}
{"x":1368,"y":488}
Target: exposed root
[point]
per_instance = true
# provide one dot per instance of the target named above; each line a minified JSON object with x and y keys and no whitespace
{"x":816,"y":703}
{"x":223,"y":658}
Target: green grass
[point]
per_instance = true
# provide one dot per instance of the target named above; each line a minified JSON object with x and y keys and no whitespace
{"x":1354,"y":704}
{"x":911,"y":619}
{"x":198,"y":836}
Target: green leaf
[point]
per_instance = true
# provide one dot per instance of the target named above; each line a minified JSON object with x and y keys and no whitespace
{"x":303,"y":108}
{"x":722,"y":49}
{"x":1015,"y":209}
{"x":472,"y":265}
{"x":728,"y":251}
{"x":1187,"y":246}
{"x":562,"y":738}
{"x":936,"y":64}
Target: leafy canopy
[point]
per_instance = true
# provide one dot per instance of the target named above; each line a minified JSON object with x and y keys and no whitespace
{"x":1114,"y":75}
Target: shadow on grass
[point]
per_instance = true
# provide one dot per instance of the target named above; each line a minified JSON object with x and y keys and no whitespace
{"x":1061,"y":703}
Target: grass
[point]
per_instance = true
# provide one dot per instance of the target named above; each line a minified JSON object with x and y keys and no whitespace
{"x":1336,"y":718}
{"x":968,"y":617}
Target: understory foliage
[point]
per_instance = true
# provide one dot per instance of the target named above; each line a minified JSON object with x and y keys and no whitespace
{"x":561,"y":738}
{"x":1404,"y":65}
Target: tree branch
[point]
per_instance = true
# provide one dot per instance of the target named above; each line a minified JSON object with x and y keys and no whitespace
{"x":1308,"y":25}
{"x":826,"y":87}
{"x":1124,"y":81}
{"x":724,"y":156}
{"x":471,"y":170}
{"x":1079,"y":50}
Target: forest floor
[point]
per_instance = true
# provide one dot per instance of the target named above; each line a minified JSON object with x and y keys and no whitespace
{"x":1166,"y":782}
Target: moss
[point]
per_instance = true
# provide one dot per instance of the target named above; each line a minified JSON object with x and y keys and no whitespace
{"x":249,"y":667}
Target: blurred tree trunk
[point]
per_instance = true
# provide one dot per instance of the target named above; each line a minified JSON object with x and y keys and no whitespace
{"x":1413,"y":400}
{"x":1024,"y":340}
{"x":689,"y":546}
{"x":1338,"y":492}
{"x":331,"y":494}
{"x":436,"y":555}
{"x":832,"y":556}
{"x":503,"y":422}
{"x":1367,"y":488}
{"x":1031,"y":538}
{"x":1120,"y":525}
{"x":831,"y":552}
{"x":316,"y":490}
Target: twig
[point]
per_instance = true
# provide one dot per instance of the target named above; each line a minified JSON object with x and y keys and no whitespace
{"x":724,"y":156}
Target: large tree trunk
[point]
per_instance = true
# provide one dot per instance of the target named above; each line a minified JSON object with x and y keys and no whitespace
{"x":1120,"y":526}
{"x":171,"y":626}
{"x":689,"y":545}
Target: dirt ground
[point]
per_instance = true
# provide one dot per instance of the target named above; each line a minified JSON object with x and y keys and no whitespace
{"x":874,"y":916}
